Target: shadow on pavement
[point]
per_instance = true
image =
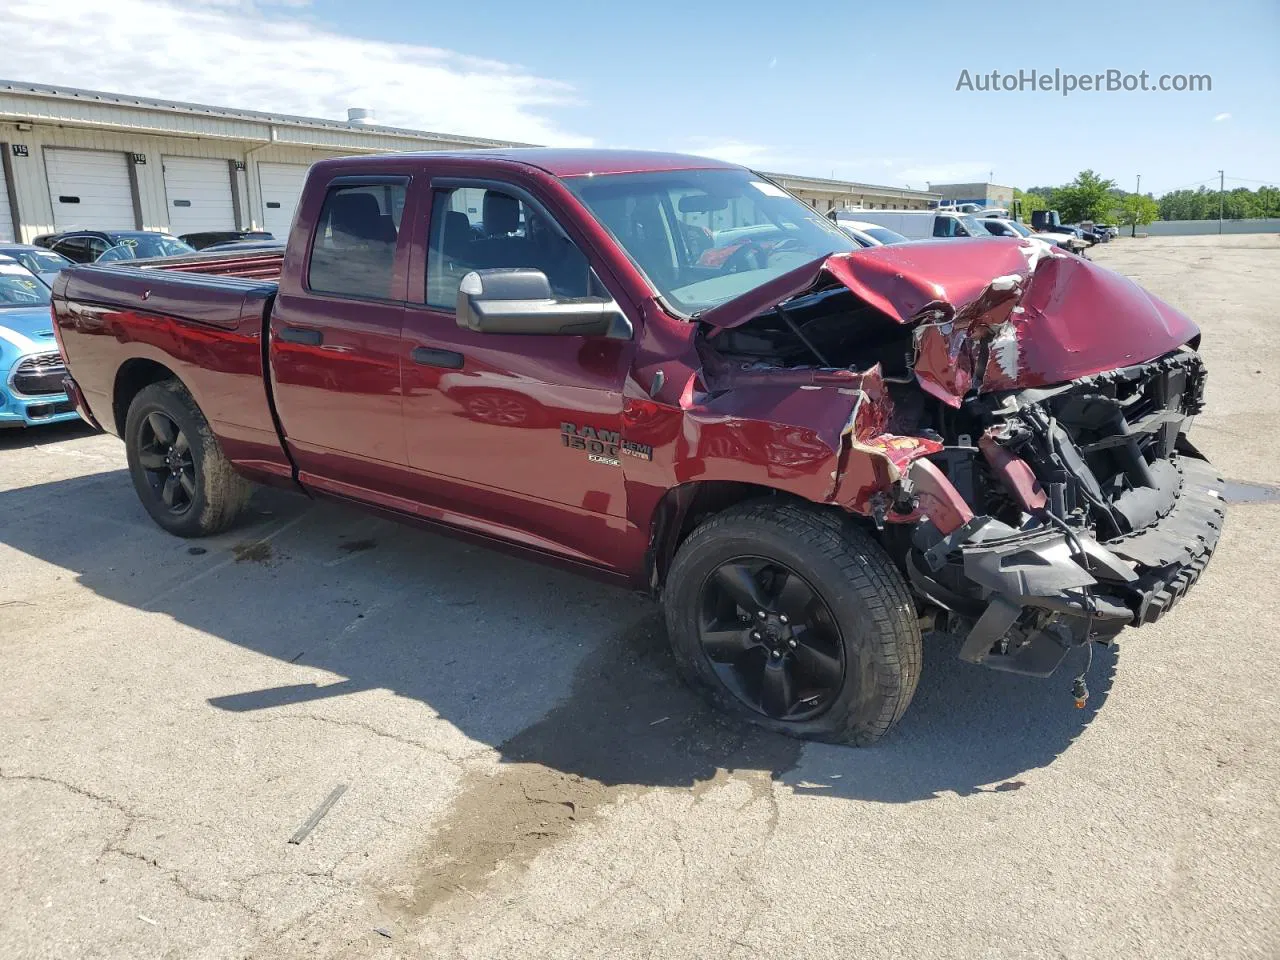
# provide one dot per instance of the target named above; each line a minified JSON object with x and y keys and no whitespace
{"x":13,"y":438}
{"x":546,"y":667}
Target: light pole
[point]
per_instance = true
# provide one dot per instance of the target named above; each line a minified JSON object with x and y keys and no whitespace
{"x":1221,"y":198}
{"x":1138,"y":190}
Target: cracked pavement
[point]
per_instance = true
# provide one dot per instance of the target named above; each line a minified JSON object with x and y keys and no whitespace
{"x":526,"y":777}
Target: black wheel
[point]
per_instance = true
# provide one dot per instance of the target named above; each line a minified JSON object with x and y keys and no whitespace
{"x":178,"y":469}
{"x":796,"y":620}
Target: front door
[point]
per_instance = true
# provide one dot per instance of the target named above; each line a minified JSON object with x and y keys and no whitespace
{"x":335,"y":340}
{"x":518,"y":432}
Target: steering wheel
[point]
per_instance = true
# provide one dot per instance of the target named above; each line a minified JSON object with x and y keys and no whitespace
{"x":787,"y":245}
{"x":749,"y":256}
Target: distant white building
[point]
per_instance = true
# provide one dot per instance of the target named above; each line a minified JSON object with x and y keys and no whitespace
{"x":83,"y":158}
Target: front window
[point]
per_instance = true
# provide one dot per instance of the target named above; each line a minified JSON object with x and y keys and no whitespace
{"x":477,"y":228}
{"x":704,"y":237}
{"x":1018,"y":228}
{"x":18,"y":288}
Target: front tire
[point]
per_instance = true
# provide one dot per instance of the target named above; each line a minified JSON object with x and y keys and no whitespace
{"x":796,"y":620}
{"x":180,"y":473}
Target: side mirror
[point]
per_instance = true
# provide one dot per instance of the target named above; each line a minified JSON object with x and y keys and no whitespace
{"x":519,"y":300}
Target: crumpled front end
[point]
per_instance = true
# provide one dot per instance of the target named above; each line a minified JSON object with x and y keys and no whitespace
{"x":1013,"y":421}
{"x":1091,"y":512}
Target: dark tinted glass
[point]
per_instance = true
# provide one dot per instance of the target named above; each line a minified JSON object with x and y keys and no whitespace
{"x":355,"y":247}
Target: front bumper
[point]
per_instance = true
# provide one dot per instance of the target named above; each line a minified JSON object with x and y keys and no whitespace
{"x":1046,"y":590}
{"x":19,"y":411}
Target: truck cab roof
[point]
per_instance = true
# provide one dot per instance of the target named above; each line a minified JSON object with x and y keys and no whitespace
{"x":561,"y":162}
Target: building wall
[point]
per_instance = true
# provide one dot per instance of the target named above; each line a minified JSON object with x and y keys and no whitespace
{"x":31,"y":186}
{"x":988,"y":194}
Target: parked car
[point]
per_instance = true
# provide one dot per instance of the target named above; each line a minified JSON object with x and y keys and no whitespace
{"x":244,"y":246}
{"x":571,"y":384}
{"x":198,"y":241}
{"x":870,"y":234}
{"x":1012,"y":228}
{"x":1047,"y":224}
{"x":919,"y":224}
{"x":31,"y":368}
{"x":89,"y":246}
{"x":45,"y":264}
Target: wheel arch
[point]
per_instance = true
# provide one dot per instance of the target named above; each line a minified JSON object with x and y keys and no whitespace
{"x":683,"y":507}
{"x":135,"y":374}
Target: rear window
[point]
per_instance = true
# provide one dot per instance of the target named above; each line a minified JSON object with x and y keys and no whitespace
{"x":354,"y":251}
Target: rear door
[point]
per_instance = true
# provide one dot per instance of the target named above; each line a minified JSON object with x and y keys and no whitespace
{"x":198,"y":194}
{"x":335,"y":336}
{"x":518,"y":432}
{"x":281,"y":187}
{"x":89,"y":189}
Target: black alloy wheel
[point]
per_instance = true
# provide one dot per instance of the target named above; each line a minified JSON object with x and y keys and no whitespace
{"x":164,"y":453}
{"x":771,"y":639}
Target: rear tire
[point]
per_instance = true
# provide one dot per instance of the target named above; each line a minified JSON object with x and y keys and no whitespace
{"x":833,"y":650}
{"x":180,"y":473}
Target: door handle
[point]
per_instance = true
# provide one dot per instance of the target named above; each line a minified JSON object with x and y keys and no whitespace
{"x":311,"y":338}
{"x":437,"y":358}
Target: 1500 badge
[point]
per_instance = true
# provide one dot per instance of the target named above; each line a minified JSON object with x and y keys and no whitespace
{"x":602,"y":446}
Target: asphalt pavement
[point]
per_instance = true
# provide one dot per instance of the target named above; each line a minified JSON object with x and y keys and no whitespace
{"x":524,"y":777}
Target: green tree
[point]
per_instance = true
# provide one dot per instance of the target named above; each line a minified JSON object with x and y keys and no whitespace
{"x":1136,"y":209}
{"x":1028,"y":201}
{"x":1087,"y":197}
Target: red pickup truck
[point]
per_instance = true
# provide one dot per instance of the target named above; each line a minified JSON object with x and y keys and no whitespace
{"x":668,"y":372}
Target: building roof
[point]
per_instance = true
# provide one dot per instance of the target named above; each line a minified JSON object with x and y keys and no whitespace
{"x":99,"y":97}
{"x":851,"y":186}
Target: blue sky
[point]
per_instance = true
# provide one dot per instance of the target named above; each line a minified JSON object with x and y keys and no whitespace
{"x":856,"y":90}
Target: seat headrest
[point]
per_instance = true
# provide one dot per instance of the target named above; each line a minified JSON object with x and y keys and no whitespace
{"x":357,"y":216}
{"x":501,"y":214}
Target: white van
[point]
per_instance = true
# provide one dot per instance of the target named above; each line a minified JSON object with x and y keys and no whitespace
{"x":920,"y":224}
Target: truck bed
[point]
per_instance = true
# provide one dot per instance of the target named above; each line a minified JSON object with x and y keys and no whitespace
{"x":153,"y":319}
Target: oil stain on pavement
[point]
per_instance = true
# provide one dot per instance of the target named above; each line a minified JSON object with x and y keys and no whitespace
{"x":1239,"y":492}
{"x":627,"y":725}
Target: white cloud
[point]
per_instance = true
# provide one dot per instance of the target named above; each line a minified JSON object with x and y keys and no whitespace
{"x":1222,"y":116}
{"x":247,"y":54}
{"x":964,"y":171}
{"x":732,"y":151}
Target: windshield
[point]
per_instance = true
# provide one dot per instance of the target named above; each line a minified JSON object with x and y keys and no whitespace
{"x":972,"y":225}
{"x":885,"y":235}
{"x":40,"y":261}
{"x":1018,"y":228}
{"x":18,"y":288}
{"x":703,"y":237}
{"x":141,"y":247}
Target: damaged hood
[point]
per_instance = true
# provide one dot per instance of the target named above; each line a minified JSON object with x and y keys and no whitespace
{"x":989,"y":314}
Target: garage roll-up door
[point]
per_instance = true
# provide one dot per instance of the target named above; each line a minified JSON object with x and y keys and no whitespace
{"x":198,"y":194}
{"x":281,"y":185}
{"x":6,"y":212}
{"x":90,"y":189}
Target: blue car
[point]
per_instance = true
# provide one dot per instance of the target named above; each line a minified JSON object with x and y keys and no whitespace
{"x":31,"y":368}
{"x":45,"y":264}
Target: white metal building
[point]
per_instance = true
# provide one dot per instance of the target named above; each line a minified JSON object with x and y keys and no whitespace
{"x":79,"y":158}
{"x":86,"y":159}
